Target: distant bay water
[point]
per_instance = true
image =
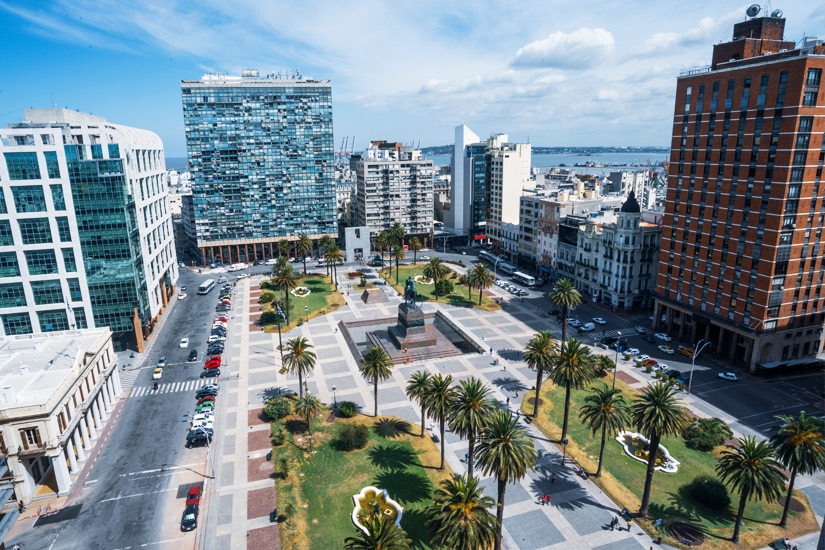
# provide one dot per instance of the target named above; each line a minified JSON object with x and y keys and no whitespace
{"x":539,"y":161}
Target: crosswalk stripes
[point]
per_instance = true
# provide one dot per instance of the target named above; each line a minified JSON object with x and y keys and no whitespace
{"x":128,"y":377}
{"x":615,"y":333}
{"x":171,"y":387}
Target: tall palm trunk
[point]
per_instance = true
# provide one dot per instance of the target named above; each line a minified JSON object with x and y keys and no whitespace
{"x":470,"y":289}
{"x":442,"y":444}
{"x":784,"y":519}
{"x":564,"y":323}
{"x":743,"y":499}
{"x":301,"y":386}
{"x":651,"y":467}
{"x":396,"y":270}
{"x":286,"y":301}
{"x":480,"y":294}
{"x":538,"y":392}
{"x":305,"y":265}
{"x":375,"y":382}
{"x":423,"y":418}
{"x":415,"y":256}
{"x":601,"y":452}
{"x":502,"y":486}
{"x":566,"y":411}
{"x":335,"y":274}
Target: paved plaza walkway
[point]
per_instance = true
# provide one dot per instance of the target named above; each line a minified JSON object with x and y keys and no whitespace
{"x":579,"y":512}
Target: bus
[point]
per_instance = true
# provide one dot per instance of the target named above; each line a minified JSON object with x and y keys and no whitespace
{"x":484,"y":255}
{"x":206,"y":286}
{"x":507,"y":269}
{"x":524,"y":278}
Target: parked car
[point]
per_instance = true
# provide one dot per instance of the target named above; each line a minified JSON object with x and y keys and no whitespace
{"x":728,"y":376}
{"x":210,"y":373}
{"x":158,"y":374}
{"x":661,"y":367}
{"x":221,"y":280}
{"x":663,"y":337}
{"x":684,"y":379}
{"x":667,"y":349}
{"x":648,"y":338}
{"x":184,"y":342}
{"x":640,"y":329}
{"x":217,"y":338}
{"x":649,"y":363}
{"x":205,"y":399}
{"x":203,"y":416}
{"x":197,"y":438}
{"x":641,"y":358}
{"x":193,"y":355}
{"x":203,"y":407}
{"x":599,"y":320}
{"x":575,"y":323}
{"x":203,"y":392}
{"x":632,"y":351}
{"x":189,"y":520}
{"x":202,"y":425}
{"x":523,"y":292}
{"x":271,"y":261}
{"x":673,"y":373}
{"x":211,"y":387}
{"x":243,"y":275}
{"x":194,"y":496}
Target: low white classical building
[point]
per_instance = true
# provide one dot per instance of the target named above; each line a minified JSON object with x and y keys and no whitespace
{"x":56,"y":394}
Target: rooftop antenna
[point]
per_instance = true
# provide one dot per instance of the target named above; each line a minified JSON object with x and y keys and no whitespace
{"x":753,"y":10}
{"x":777,"y":14}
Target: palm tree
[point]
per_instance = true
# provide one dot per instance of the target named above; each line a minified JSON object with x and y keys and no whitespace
{"x":751,"y":469}
{"x":417,"y":389}
{"x":459,"y":517}
{"x":438,"y":399}
{"x":482,"y":279}
{"x":657,"y":413}
{"x":383,"y":534}
{"x":437,"y":271}
{"x":376,"y":365}
{"x":467,"y":279}
{"x":572,"y":369}
{"x":283,"y":247}
{"x":415,"y":246}
{"x":470,"y":412}
{"x":299,"y":359}
{"x":800,"y":447}
{"x":396,"y":233}
{"x":306,"y":407}
{"x":285,"y":280}
{"x":397,"y":254}
{"x":334,"y":259}
{"x":507,"y":452}
{"x":323,"y":243}
{"x":304,"y":248}
{"x":604,"y":409}
{"x":604,"y":364}
{"x":565,"y":296}
{"x":539,"y":354}
{"x":383,"y":241}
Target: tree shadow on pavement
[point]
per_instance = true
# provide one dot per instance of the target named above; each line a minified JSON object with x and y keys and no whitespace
{"x":509,"y":384}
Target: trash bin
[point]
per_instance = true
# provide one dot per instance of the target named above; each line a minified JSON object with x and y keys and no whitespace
{"x":273,"y":516}
{"x":269,"y":456}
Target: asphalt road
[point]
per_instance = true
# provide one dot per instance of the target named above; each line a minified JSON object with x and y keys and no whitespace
{"x":135,"y":492}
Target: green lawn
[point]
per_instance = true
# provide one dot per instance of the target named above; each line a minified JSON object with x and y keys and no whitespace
{"x":321,"y":300}
{"x":623,"y":479}
{"x":460,"y":297}
{"x":392,"y":460}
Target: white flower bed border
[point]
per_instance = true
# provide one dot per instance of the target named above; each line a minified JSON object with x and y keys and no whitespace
{"x":297,"y":288}
{"x":419,"y":279}
{"x":669,"y":466}
{"x":362,"y":494}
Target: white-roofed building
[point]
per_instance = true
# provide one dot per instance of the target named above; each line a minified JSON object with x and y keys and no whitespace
{"x":57,"y":391}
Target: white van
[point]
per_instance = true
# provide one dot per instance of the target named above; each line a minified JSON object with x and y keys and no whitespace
{"x":271,"y":261}
{"x":587,"y":327}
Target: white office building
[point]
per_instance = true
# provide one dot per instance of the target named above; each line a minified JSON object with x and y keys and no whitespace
{"x":86,"y":234}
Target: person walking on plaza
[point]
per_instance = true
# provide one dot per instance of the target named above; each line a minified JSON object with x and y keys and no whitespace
{"x":629,"y":523}
{"x":552,"y":478}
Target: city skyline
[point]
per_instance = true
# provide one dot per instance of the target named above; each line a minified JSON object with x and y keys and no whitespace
{"x":604,"y":78}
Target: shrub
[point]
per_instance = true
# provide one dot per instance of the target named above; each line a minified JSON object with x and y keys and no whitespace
{"x":707,"y":491}
{"x":363,"y":281}
{"x":279,"y":437}
{"x":352,"y":437}
{"x":284,"y":469}
{"x":648,"y":369}
{"x":347,"y":409}
{"x":704,"y":434}
{"x":444,"y":287}
{"x":269,"y":318}
{"x":266,"y":285}
{"x":267,"y":296}
{"x":657,"y":374}
{"x":277,"y":408}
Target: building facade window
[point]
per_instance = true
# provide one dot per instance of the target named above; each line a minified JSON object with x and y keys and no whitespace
{"x":51,"y":321}
{"x":22,"y":166}
{"x":63,"y":230}
{"x":69,"y":263}
{"x":29,"y":198}
{"x":12,"y":295}
{"x":75,"y":293}
{"x":8,"y":265}
{"x":41,"y":262}
{"x":30,"y":438}
{"x":17,"y":323}
{"x":58,"y":198}
{"x":47,"y":292}
{"x":52,"y":165}
{"x":6,"y":237}
{"x":80,"y":317}
{"x":35,"y":231}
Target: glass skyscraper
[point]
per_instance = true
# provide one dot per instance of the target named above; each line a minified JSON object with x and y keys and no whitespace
{"x":260,"y":151}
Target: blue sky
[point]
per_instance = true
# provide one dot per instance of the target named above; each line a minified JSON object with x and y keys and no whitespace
{"x":554,"y":72}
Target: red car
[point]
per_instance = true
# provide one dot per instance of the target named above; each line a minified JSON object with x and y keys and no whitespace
{"x":210,"y":366}
{"x":215,"y":358}
{"x":194,"y":496}
{"x":650,"y":363}
{"x":204,"y":400}
{"x":213,"y":361}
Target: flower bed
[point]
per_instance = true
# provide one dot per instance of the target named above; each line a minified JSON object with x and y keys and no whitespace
{"x":354,"y":274}
{"x":635,"y":446}
{"x":422,"y":280}
{"x":300,"y":292}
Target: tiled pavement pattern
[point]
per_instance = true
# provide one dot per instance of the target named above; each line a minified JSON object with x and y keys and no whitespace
{"x":578,"y":513}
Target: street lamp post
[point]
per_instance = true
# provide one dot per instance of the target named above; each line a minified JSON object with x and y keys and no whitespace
{"x":699,"y":347}
{"x":306,"y":314}
{"x":280,"y":342}
{"x":564,"y":443}
{"x":616,"y":362}
{"x":334,"y":400}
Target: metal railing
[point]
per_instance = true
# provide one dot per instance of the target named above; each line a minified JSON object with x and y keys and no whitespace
{"x":695,"y":70}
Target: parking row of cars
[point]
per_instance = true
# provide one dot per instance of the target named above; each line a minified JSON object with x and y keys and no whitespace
{"x":217,"y":337}
{"x":509,"y":287}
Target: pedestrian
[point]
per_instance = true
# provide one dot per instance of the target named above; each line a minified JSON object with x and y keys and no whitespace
{"x":491,"y":349}
{"x":612,"y":523}
{"x":508,"y":401}
{"x":552,"y":478}
{"x":467,"y":458}
{"x":787,"y":543}
{"x":505,"y":367}
{"x":624,"y":511}
{"x":516,"y":394}
{"x":629,"y":523}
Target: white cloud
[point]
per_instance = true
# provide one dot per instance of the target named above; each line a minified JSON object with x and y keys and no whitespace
{"x":578,"y":49}
{"x":608,"y":95}
{"x":706,"y":32}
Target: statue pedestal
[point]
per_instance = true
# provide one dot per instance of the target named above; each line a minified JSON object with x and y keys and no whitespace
{"x":411,"y":331}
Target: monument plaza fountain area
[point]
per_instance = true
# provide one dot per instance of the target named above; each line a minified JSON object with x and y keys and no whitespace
{"x":412,"y":336}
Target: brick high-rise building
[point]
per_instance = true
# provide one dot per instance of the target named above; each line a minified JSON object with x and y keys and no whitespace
{"x":741,"y":263}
